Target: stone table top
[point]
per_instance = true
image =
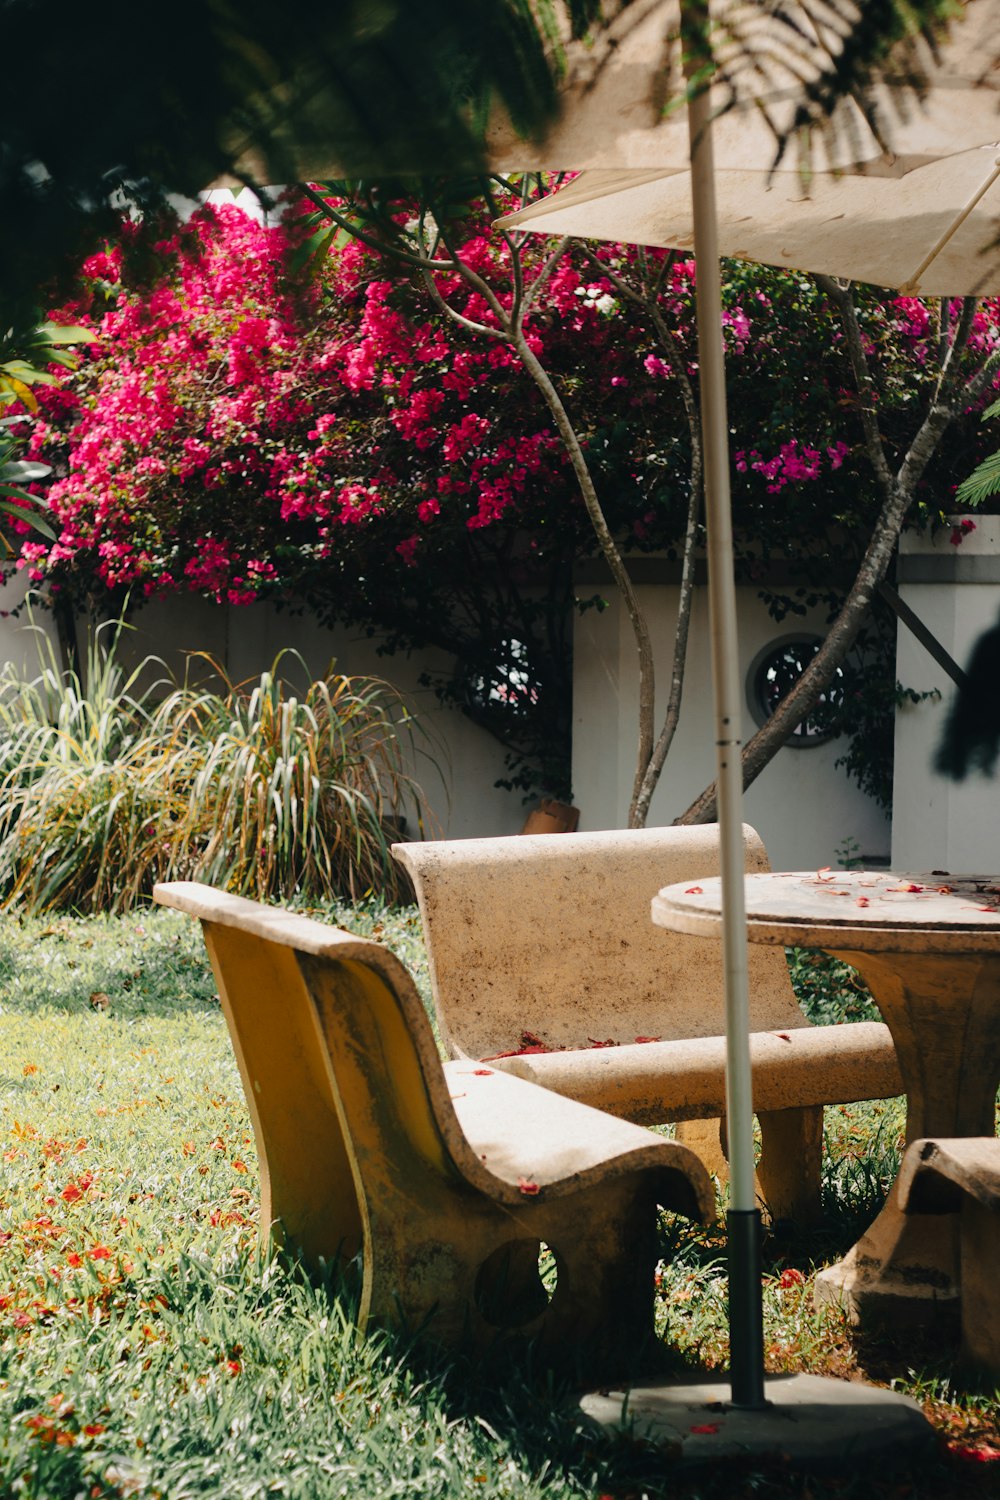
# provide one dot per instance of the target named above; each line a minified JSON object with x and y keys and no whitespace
{"x":851,"y":910}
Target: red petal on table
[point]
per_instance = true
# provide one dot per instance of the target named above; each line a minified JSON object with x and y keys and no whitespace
{"x":862,"y":901}
{"x":482,"y":1072}
{"x":782,"y":1036}
{"x":706,"y":1427}
{"x":908,"y":888}
{"x":529,"y":1189}
{"x":694,"y":890}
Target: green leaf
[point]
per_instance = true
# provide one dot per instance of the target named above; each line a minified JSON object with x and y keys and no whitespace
{"x":313,"y":251}
{"x":34,"y":520}
{"x":63,"y":333}
{"x":982,"y":483}
{"x":24,"y":471}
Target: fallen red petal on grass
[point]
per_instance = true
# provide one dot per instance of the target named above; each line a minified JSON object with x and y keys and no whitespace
{"x":706,"y":1427}
{"x":529,"y":1189}
{"x":976,"y":1453}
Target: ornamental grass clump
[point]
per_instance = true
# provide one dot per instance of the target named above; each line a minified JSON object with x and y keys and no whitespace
{"x":107,"y":786}
{"x":90,"y":783}
{"x":295,"y":794}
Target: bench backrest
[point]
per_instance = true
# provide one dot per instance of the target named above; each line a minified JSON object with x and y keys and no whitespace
{"x":551,"y":934}
{"x":339,"y":1064}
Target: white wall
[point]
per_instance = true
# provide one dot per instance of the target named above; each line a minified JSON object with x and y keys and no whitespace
{"x":458,"y":762}
{"x":938,"y":824}
{"x":22,"y":639}
{"x":803,"y":808}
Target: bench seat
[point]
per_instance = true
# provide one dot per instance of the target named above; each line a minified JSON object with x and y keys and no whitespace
{"x":542,"y":954}
{"x":446,"y":1180}
{"x":962,"y":1176}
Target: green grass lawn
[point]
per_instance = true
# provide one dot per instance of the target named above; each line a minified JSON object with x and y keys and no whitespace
{"x":146,"y":1350}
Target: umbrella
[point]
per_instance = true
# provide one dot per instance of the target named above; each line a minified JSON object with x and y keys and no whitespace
{"x":930,"y":199}
{"x":931,"y":232}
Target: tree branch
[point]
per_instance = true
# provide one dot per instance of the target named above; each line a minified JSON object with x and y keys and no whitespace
{"x":899,"y":492}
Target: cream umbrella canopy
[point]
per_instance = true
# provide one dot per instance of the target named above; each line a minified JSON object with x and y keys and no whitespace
{"x":933,"y":232}
{"x":933,"y":203}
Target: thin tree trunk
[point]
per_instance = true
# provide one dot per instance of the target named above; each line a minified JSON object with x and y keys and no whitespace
{"x":900,"y":490}
{"x":613,"y":558}
{"x":646,"y":300}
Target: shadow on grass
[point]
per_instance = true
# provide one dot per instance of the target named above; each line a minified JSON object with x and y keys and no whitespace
{"x":536,"y":1418}
{"x":533,"y":1417}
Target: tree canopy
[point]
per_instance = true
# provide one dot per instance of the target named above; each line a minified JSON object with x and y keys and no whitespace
{"x":242,"y":430}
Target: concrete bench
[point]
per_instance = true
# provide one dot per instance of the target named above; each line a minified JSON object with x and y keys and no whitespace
{"x":962,"y":1176}
{"x":543,"y":947}
{"x":447,"y":1178}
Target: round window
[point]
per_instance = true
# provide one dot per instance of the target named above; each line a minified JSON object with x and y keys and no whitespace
{"x":776,"y":670}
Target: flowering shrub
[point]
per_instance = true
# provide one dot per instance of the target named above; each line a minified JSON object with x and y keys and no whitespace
{"x":242,"y":432}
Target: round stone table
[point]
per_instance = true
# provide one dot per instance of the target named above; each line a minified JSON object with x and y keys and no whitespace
{"x":928,"y":947}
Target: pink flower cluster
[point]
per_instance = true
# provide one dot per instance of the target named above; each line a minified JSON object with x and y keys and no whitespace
{"x":794,"y":463}
{"x":241,"y":428}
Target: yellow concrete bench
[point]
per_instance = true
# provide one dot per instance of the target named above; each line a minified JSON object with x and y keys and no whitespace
{"x":543,"y":946}
{"x":447,"y":1178}
{"x":961,"y":1176}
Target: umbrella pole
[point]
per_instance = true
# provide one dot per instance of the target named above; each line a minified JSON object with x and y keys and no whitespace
{"x":743,"y":1218}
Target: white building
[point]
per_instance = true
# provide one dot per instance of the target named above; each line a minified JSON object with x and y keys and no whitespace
{"x":807,"y":811}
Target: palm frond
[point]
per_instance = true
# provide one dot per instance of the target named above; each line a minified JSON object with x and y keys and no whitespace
{"x":982,"y":483}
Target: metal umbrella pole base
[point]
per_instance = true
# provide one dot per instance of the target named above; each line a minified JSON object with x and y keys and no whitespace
{"x":804,"y":1419}
{"x":809,"y":1420}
